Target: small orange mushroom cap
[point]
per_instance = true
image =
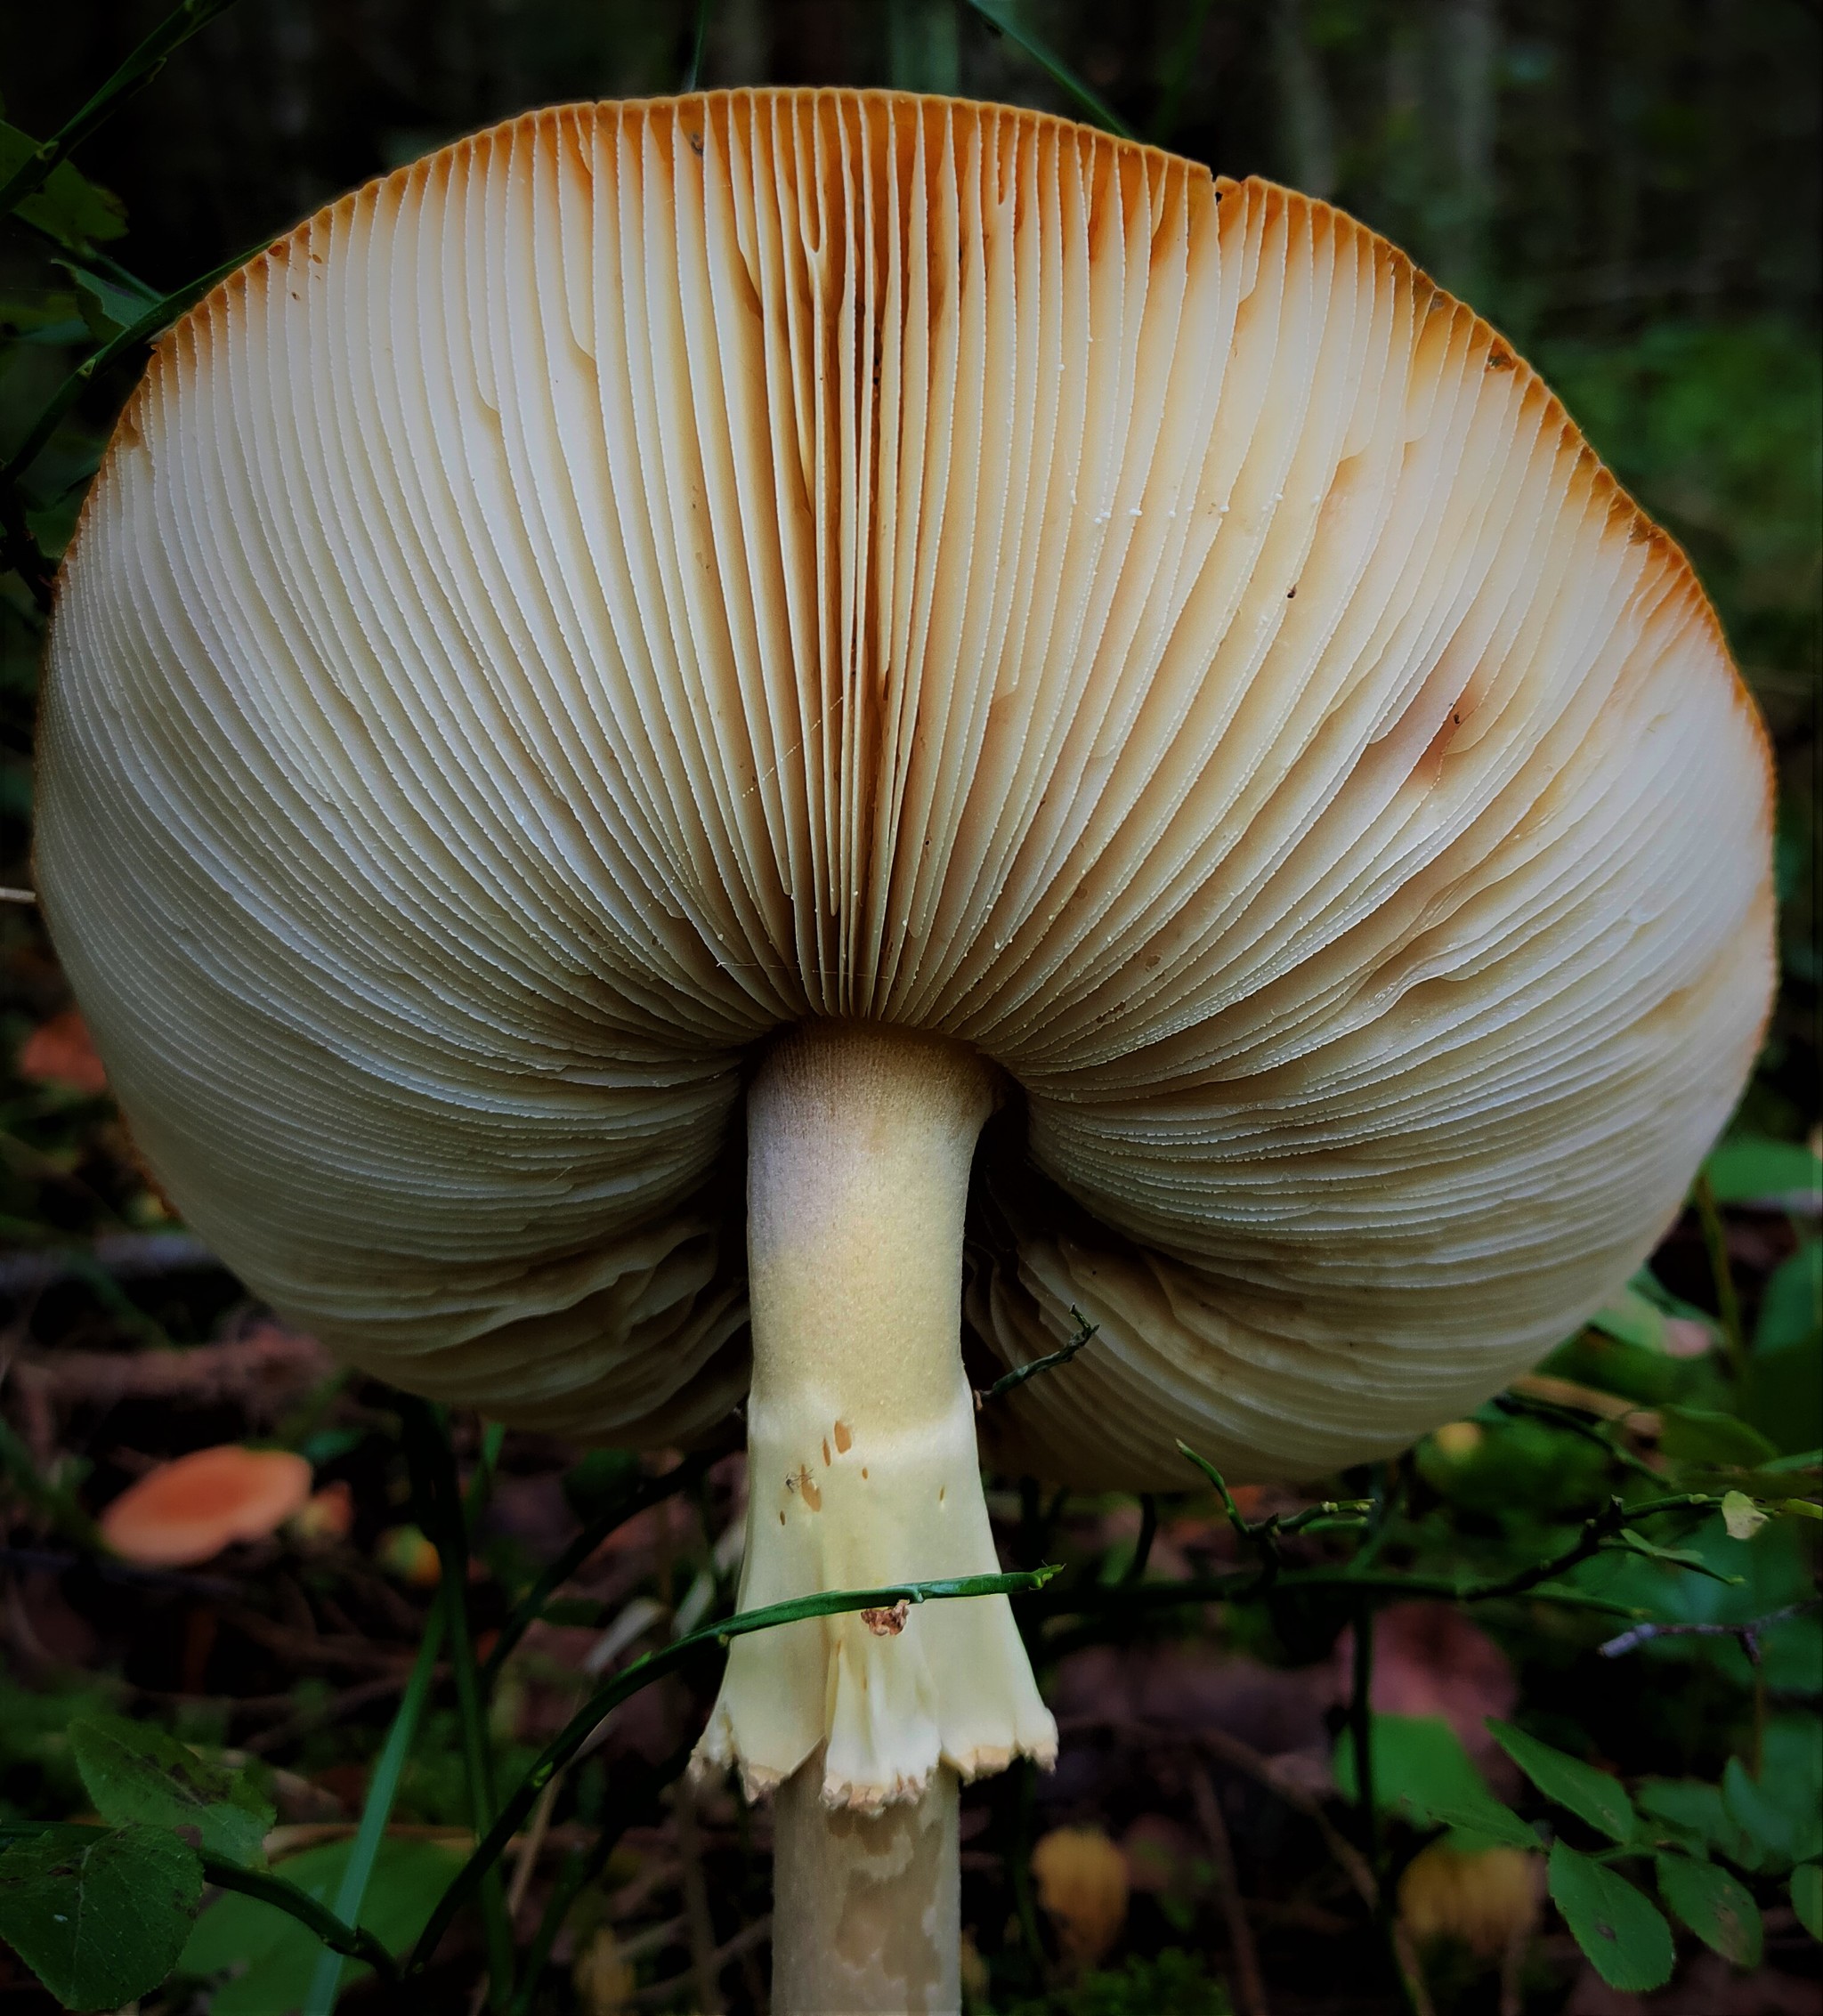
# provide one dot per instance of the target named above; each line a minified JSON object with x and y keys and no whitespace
{"x":189,"y":1511}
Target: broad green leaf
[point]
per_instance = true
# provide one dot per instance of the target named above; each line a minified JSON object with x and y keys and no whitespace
{"x":1627,"y":1542}
{"x":1752,"y":1167}
{"x":69,"y":207}
{"x":1697,"y":1434}
{"x":100,"y":1916}
{"x":1591,"y":1795}
{"x":135,"y":1772}
{"x":1714,"y":1905}
{"x":1791,"y":1304}
{"x":107,"y":305}
{"x":1777,"y":1814}
{"x":1633,"y":1319}
{"x":1477,"y":1828}
{"x":1422,"y":1771}
{"x":1623,"y":1934}
{"x":272,"y":1958}
{"x":1807,"y":1898}
{"x":1689,"y":1809}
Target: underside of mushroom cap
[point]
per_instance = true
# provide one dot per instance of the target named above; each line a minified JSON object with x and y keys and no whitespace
{"x":653,"y":573}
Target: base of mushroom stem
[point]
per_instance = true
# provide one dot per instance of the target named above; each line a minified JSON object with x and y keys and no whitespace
{"x":882,"y":1697}
{"x":866,"y":1906}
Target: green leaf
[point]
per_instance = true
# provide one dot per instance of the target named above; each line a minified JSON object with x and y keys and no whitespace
{"x":1807,"y":1898}
{"x":272,"y":1958}
{"x":99,"y":1915}
{"x":135,"y":1772}
{"x":1627,"y":1542}
{"x":1752,"y":1167}
{"x":1477,"y":1828}
{"x":1422,"y":1773}
{"x":69,"y":207}
{"x":1690,"y":1809}
{"x":1791,"y":1301}
{"x":1631,"y":1319}
{"x":1624,"y":1936}
{"x":107,"y":306}
{"x":1591,"y":1795}
{"x":1696,"y":1434}
{"x":1714,"y":1905}
{"x":1740,"y":1515}
{"x":1777,"y":1814}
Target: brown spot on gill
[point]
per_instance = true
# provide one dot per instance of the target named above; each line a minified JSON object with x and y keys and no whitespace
{"x":807,"y":1490}
{"x":825,"y":1451}
{"x":888,"y":1622}
{"x":943,"y":1492}
{"x":845,"y":1439}
{"x":864,"y":1479}
{"x":1500,"y":358}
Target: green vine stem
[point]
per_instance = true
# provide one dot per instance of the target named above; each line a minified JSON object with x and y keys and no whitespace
{"x":653,"y":1666}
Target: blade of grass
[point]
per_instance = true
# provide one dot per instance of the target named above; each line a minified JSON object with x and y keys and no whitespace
{"x":653,"y":1666}
{"x":382,"y":1789}
{"x":692,"y":74}
{"x":1000,"y":17}
{"x":440,"y":1515}
{"x":1177,"y":78}
{"x":134,"y":75}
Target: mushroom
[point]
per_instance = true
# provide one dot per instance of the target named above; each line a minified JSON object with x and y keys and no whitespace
{"x":700,"y":650}
{"x":189,"y":1510}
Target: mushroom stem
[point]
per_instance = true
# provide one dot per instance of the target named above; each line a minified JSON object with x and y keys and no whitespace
{"x":861,"y":1469}
{"x":874,"y":1921}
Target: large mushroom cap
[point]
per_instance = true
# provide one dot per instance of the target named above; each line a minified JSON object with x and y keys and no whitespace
{"x":654,"y":573}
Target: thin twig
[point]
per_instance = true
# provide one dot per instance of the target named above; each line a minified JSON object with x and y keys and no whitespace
{"x":1748,"y":1634}
{"x":1250,"y":1984}
{"x":656,"y":1993}
{"x":1347,"y":1858}
{"x":127,"y":1254}
{"x":335,"y":1710}
{"x":1085,"y":1330}
{"x":533,"y":1846}
{"x":648,"y":1492}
